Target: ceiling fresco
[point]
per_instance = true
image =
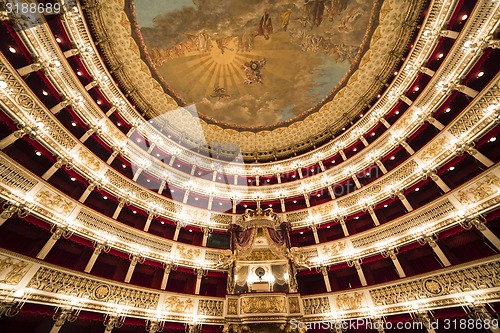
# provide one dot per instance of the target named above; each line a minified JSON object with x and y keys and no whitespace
{"x":252,"y":63}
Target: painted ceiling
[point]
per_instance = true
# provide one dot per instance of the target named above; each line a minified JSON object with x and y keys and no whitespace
{"x":255,"y":63}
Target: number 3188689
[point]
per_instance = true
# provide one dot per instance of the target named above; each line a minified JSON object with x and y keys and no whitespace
{"x":33,"y":8}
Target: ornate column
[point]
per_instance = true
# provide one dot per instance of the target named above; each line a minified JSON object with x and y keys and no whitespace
{"x":111,"y":111}
{"x":431,"y":240}
{"x":449,"y":33}
{"x":57,"y":108}
{"x":468,"y":147}
{"x":341,"y":221}
{"x":59,"y":163}
{"x":342,"y":154}
{"x":162,"y":186}
{"x":432,"y":174}
{"x":481,"y":313}
{"x":324,"y":272}
{"x":87,"y":135}
{"x":356,"y":180}
{"x":306,"y":199}
{"x":465,"y":90}
{"x":29,"y":68}
{"x":427,"y":71}
{"x":206,"y":233}
{"x":63,"y":315}
{"x":381,"y":166}
{"x":10,"y":139}
{"x":200,"y":272}
{"x":392,"y":253}
{"x":98,"y":248}
{"x":407,"y":147}
{"x":92,"y":186}
{"x":423,"y":317}
{"x":434,"y":122}
{"x":403,"y":199}
{"x":134,"y":260}
{"x":479,"y":222}
{"x":116,"y":151}
{"x":177,"y":231}
{"x":57,"y":232}
{"x":91,"y":85}
{"x":315,"y":232}
{"x":370,"y":209}
{"x":121,"y":204}
{"x":166,"y":273}
{"x":384,"y":122}
{"x":70,"y":53}
{"x":356,"y":263}
{"x":153,"y":212}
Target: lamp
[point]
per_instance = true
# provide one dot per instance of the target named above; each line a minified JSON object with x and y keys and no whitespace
{"x":155,"y":324}
{"x":114,"y":319}
{"x":12,"y":302}
{"x":67,"y":312}
{"x":475,"y":309}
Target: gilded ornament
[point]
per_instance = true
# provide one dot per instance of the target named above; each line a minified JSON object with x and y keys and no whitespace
{"x":187,"y":253}
{"x":333,"y":249}
{"x":264,"y":304}
{"x":12,"y":271}
{"x":178,"y":304}
{"x":433,"y":287}
{"x":232,"y":307}
{"x":346,"y":302}
{"x":90,"y":161}
{"x":433,"y":150}
{"x":54,"y":201}
{"x":293,"y":304}
{"x":101,"y":292}
{"x":25,"y":101}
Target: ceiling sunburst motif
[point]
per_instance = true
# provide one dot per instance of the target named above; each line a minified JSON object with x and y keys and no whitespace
{"x":254,"y":63}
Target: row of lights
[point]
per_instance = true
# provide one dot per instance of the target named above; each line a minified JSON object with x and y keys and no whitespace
{"x":464,"y":17}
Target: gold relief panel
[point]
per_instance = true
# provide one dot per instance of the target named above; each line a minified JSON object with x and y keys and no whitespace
{"x":323,"y":210}
{"x":348,"y":302}
{"x":261,"y":256}
{"x":232,"y":306}
{"x":264,"y":304}
{"x":433,"y":287}
{"x":294,"y":305}
{"x":101,"y":292}
{"x":434,"y":149}
{"x":12,"y":271}
{"x":178,"y":304}
{"x":89,"y":160}
{"x":54,"y":201}
{"x":481,"y":190}
{"x":188,"y":253}
{"x":334,"y":249}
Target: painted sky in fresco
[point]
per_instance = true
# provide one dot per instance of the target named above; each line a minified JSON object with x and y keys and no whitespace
{"x":252,"y":62}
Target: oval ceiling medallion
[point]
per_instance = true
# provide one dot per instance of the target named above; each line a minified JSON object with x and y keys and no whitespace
{"x":255,"y":63}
